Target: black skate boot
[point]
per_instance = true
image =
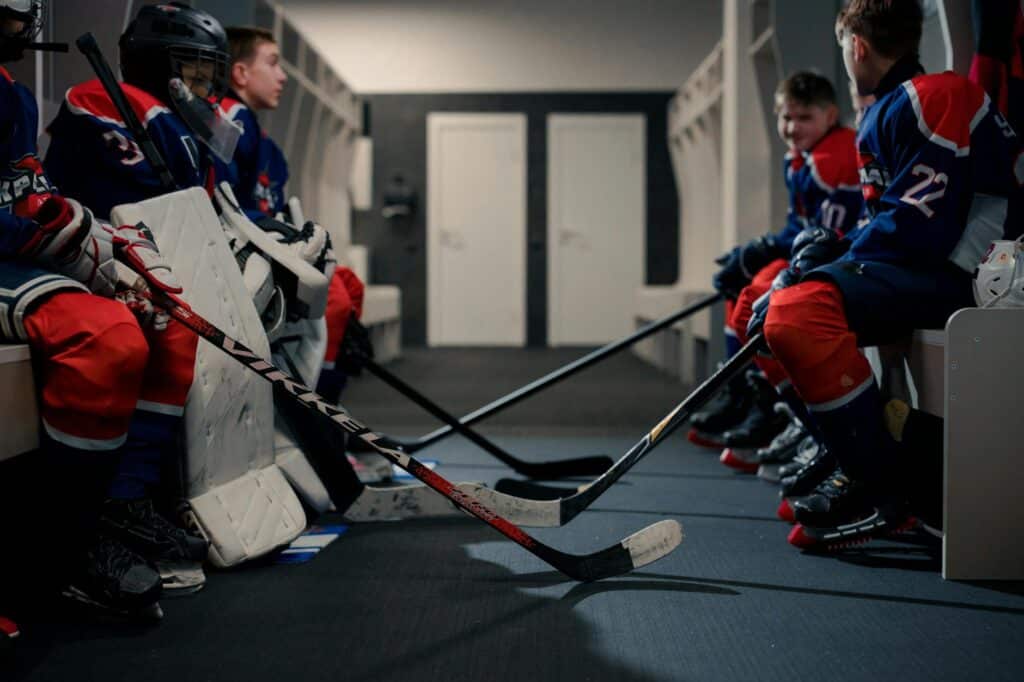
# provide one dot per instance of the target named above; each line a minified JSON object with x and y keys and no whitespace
{"x":805,"y":452}
{"x":784,"y":447}
{"x":833,"y":500}
{"x":855,"y":526}
{"x":728,"y":408}
{"x":806,"y":479}
{"x":117,"y":581}
{"x":761,"y":425}
{"x":176,"y":554}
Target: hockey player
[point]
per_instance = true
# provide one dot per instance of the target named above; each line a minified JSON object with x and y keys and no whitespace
{"x":821,"y":175}
{"x":174,"y":60}
{"x":934,"y":155}
{"x":258,"y":174}
{"x":105,"y":363}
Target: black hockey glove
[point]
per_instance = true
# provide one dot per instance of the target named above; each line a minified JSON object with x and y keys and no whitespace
{"x":812,"y":248}
{"x":356,"y":348}
{"x":741,"y":264}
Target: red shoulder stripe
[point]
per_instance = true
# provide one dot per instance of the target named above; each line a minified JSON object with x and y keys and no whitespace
{"x":90,"y":99}
{"x":947,"y":107}
{"x":6,"y":74}
{"x":834,"y":161}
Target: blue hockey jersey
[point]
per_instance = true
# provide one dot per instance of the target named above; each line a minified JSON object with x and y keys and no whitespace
{"x":94,"y":158}
{"x":824,"y":188}
{"x":927,"y":148}
{"x":258,"y":172}
{"x":20,"y":175}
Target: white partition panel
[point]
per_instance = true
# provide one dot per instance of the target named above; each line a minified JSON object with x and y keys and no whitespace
{"x":476,"y":224}
{"x":596,"y":225}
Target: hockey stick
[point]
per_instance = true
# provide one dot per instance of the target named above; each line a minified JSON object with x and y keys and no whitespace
{"x":554,"y":377}
{"x":639,"y":549}
{"x":550,"y":513}
{"x":584,"y":466}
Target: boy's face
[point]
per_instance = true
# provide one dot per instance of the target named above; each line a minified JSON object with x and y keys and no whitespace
{"x":261,"y":79}
{"x":801,"y":126}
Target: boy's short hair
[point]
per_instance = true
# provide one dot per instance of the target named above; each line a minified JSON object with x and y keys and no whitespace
{"x":892,"y":27}
{"x":243,"y":41}
{"x":808,"y":89}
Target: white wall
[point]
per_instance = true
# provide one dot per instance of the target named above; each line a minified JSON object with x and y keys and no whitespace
{"x":406,"y":46}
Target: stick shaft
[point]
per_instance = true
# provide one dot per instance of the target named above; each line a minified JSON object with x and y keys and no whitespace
{"x":562,"y":373}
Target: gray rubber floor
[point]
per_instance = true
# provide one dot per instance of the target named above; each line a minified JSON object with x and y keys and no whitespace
{"x":452,"y":600}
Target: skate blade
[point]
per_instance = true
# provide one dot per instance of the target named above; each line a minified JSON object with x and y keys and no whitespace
{"x":147,"y":613}
{"x":181,"y":578}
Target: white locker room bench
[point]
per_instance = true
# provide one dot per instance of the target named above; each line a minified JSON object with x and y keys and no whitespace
{"x":688,"y":349}
{"x":19,"y":424}
{"x":382,"y":307}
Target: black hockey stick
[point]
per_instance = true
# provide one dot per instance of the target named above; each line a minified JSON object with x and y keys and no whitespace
{"x":549,"y":513}
{"x":555,"y":376}
{"x":87,"y":46}
{"x":584,"y":466}
{"x":639,"y":549}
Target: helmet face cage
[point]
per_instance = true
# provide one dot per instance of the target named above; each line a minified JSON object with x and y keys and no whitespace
{"x":204,"y":72}
{"x":31,"y":12}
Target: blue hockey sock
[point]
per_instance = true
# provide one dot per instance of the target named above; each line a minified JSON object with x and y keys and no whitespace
{"x":151,"y":436}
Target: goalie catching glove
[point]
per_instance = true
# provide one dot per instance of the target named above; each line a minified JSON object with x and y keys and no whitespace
{"x":312,"y":243}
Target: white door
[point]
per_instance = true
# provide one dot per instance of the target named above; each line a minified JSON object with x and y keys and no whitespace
{"x":596,"y":225}
{"x":476,"y":225}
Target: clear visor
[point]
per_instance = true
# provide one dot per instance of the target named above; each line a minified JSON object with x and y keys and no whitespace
{"x":205,"y":119}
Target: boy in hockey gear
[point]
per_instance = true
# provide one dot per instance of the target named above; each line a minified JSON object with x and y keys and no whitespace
{"x":908,"y":268}
{"x":821,"y":175}
{"x":258,"y":174}
{"x":174,"y":59}
{"x":58,"y":283}
{"x":174,"y":62}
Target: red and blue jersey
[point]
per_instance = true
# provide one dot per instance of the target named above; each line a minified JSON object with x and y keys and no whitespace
{"x":928,"y":147}
{"x":824,"y":189}
{"x":258,"y":171}
{"x":20,"y":174}
{"x":94,"y":158}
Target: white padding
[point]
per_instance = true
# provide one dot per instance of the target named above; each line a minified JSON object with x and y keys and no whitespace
{"x":229,"y":421}
{"x":381,"y":303}
{"x":249,"y":516}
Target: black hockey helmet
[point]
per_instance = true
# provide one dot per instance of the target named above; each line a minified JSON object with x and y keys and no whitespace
{"x":20,"y":23}
{"x":174,"y":40}
{"x":179,"y":55}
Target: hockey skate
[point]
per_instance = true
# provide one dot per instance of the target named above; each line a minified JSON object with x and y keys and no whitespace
{"x":177,"y":555}
{"x":880,"y":521}
{"x":116,"y":581}
{"x":784,"y":448}
{"x":761,"y":425}
{"x":725,"y":410}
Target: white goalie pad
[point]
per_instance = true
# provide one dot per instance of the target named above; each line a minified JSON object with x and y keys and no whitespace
{"x":239,"y":497}
{"x":301,"y":352}
{"x":301,"y":281}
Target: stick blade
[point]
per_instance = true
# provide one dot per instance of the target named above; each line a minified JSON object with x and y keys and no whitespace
{"x":517,"y":510}
{"x":565,"y":468}
{"x":640,"y":549}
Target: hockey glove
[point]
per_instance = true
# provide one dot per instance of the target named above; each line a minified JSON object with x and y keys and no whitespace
{"x":356,"y":348}
{"x":741,"y":264}
{"x":312,"y":243}
{"x":72,"y":243}
{"x":135,"y":248}
{"x":759,"y":311}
